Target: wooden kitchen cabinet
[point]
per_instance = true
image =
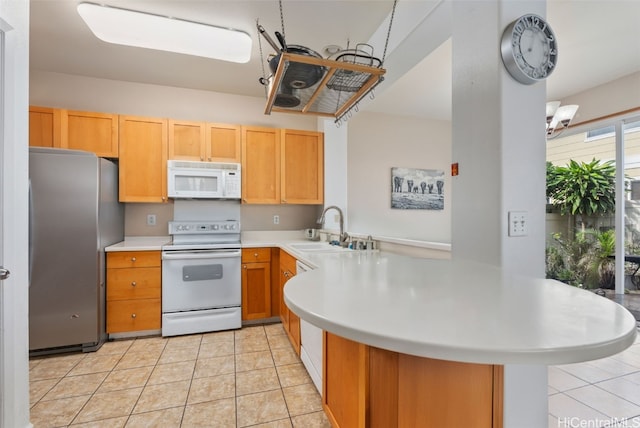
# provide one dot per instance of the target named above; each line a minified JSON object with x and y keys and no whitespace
{"x":260,"y":165}
{"x":186,"y":140}
{"x":256,"y":283}
{"x":302,"y":167}
{"x":133,"y":291}
{"x":143,"y":159}
{"x":44,"y":126}
{"x":365,"y":386}
{"x":223,"y":142}
{"x":344,"y":381}
{"x":91,"y":132}
{"x":290,"y":321}
{"x":206,"y":142}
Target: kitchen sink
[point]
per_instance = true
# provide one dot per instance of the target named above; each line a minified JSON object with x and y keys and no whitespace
{"x":316,"y":247}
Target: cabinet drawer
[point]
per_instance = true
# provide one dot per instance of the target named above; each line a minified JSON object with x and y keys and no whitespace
{"x":133,"y":283}
{"x":133,"y":315}
{"x":250,"y":255}
{"x":129,"y":259}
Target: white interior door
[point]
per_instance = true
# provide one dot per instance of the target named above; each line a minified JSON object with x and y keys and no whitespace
{"x":3,"y":270}
{"x":14,"y":165}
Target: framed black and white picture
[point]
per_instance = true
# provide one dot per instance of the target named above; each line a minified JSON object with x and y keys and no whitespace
{"x":417,"y":189}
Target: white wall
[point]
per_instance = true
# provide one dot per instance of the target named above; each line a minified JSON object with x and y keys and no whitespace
{"x":378,"y":142}
{"x":613,"y":97}
{"x":14,"y":332}
{"x":112,"y":96}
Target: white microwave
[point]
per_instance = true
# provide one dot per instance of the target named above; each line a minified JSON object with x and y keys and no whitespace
{"x":204,"y":180}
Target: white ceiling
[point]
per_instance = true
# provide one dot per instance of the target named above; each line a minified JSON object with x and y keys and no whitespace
{"x":599,"y":41}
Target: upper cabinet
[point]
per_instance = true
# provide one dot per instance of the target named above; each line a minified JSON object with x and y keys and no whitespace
{"x":186,"y":140}
{"x":200,"y":141}
{"x":223,"y":142}
{"x":77,"y":130}
{"x":44,"y":126}
{"x":282,"y":166}
{"x":143,"y":159}
{"x":260,"y":165}
{"x":302,"y":167}
{"x":279,"y":166}
{"x":92,"y":132}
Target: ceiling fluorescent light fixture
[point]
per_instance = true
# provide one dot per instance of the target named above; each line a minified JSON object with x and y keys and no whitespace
{"x":143,"y":30}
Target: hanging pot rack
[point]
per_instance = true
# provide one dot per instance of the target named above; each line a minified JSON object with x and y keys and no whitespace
{"x":343,"y":85}
{"x":344,"y":81}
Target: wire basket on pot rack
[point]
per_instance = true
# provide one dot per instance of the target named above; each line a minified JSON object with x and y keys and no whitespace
{"x":351,"y":80}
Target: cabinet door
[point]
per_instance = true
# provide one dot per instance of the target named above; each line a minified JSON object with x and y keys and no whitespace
{"x":290,"y":321}
{"x":186,"y":140}
{"x":302,"y":163}
{"x":143,"y":159}
{"x":345,"y":380}
{"x":92,"y":132}
{"x":223,"y":143}
{"x":260,"y":165}
{"x":44,"y":126}
{"x":256,"y":290}
{"x":284,"y":310}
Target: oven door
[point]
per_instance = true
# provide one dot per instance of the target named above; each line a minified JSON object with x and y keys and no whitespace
{"x":200,"y":279}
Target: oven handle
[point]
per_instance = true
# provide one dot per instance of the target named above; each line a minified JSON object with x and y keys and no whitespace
{"x":200,"y":255}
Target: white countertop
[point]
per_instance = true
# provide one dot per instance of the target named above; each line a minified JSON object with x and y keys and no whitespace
{"x":459,"y":311}
{"x":451,"y":310}
{"x":140,"y":243}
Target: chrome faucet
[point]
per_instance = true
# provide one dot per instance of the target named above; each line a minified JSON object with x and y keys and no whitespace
{"x":343,"y":236}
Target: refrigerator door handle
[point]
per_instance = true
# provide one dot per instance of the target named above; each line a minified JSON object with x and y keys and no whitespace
{"x":30,"y":215}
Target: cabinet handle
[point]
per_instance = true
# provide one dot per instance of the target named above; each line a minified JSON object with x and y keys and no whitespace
{"x":133,"y":315}
{"x":133,"y":283}
{"x":244,"y":266}
{"x":255,"y":255}
{"x":133,"y":259}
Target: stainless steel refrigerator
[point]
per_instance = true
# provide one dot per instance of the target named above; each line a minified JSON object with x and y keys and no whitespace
{"x":74,"y":214}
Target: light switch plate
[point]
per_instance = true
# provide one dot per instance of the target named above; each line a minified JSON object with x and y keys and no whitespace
{"x":518,"y":223}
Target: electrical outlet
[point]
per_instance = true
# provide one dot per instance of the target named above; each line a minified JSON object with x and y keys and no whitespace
{"x":151,"y":219}
{"x":276,"y":219}
{"x":518,"y":223}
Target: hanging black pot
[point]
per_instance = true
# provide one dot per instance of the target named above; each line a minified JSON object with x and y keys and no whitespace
{"x":298,"y":75}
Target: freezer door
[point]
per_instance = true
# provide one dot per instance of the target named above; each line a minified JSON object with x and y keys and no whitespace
{"x":64,"y":253}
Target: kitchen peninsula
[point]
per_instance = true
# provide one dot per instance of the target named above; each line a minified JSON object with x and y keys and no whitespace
{"x":417,"y":342}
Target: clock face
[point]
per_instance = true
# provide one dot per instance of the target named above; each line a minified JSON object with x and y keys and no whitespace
{"x":529,"y":49}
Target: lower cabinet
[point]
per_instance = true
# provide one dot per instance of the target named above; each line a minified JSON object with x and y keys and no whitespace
{"x":290,"y":321}
{"x":371,"y":387}
{"x":256,"y":283}
{"x":133,"y":291}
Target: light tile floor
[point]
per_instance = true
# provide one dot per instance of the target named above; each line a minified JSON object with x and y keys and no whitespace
{"x":595,"y":394}
{"x":244,"y":378}
{"x":253,"y":378}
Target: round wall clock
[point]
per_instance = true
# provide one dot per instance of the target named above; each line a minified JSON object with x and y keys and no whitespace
{"x":529,"y":49}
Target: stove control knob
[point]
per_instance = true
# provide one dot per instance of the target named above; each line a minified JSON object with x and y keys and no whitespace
{"x":232,"y":226}
{"x":216,"y":227}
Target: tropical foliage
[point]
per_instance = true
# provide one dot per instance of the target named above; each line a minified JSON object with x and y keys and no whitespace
{"x":584,"y":260}
{"x":582,"y":188}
